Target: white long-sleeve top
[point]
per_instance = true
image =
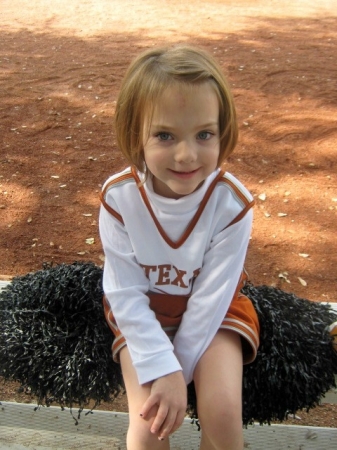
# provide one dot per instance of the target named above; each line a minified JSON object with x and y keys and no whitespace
{"x":194,"y":246}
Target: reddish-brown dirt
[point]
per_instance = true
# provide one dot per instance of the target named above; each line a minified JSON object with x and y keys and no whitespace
{"x":61,"y":67}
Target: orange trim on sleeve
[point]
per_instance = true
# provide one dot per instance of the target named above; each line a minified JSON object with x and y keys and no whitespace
{"x":237,"y":191}
{"x":241,"y":215}
{"x":111,"y":183}
{"x":248,"y":204}
{"x":109,"y":209}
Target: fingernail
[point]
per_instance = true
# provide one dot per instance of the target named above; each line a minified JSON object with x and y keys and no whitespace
{"x":161,"y":438}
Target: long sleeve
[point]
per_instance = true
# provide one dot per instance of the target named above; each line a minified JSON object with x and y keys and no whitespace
{"x":125,"y":287}
{"x":212,"y":293}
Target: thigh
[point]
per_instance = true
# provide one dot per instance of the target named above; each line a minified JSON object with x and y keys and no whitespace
{"x":218,"y":384}
{"x":219,"y":370}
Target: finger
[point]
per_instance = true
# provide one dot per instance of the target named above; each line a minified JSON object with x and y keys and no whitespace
{"x":150,"y":402}
{"x":159,"y":419}
{"x":171,"y":424}
{"x":178,"y":422}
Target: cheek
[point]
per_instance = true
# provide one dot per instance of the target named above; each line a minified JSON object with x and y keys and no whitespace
{"x":213,"y":154}
{"x":153,"y":158}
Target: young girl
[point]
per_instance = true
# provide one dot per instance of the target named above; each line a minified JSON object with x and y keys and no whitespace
{"x":175,"y":230}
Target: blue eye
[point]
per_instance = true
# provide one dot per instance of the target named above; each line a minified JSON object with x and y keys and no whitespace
{"x":164,"y":136}
{"x":204,"y":135}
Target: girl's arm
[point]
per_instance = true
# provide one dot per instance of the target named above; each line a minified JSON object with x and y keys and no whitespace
{"x":212,"y":293}
{"x":125,"y":286}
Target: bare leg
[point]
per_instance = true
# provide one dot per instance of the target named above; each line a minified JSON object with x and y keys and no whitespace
{"x":139,"y":436}
{"x":218,"y":383}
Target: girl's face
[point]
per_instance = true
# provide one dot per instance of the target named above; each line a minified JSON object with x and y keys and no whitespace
{"x":183,"y":144}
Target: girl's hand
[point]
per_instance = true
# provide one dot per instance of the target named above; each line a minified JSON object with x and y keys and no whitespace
{"x":169,"y":394}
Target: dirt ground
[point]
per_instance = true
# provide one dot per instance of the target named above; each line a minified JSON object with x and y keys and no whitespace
{"x":61,"y":67}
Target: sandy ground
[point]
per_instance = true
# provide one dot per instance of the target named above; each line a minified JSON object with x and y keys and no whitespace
{"x":61,"y":67}
{"x":62,"y":63}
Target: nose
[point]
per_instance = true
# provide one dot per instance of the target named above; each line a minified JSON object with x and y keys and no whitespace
{"x":185,"y":152}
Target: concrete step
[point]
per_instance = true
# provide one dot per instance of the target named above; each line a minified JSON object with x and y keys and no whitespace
{"x":23,"y":428}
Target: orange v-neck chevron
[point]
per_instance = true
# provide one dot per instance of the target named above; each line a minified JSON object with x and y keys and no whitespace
{"x":193,"y":247}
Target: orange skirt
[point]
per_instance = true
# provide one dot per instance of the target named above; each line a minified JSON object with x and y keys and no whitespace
{"x":241,"y":318}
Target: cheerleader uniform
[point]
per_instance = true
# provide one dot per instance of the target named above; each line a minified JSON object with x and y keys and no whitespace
{"x":174,"y":269}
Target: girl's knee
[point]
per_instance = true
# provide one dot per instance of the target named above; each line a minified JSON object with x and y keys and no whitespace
{"x":139,"y":436}
{"x":222,"y":425}
{"x":222,"y":433}
{"x":222,"y":421}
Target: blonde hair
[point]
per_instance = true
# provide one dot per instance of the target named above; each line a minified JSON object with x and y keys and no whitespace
{"x":146,"y":79}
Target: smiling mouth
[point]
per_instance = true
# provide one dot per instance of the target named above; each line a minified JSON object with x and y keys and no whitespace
{"x":179,"y":175}
{"x":190,"y":172}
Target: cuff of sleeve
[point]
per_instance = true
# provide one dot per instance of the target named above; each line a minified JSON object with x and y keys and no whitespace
{"x":156,"y":366}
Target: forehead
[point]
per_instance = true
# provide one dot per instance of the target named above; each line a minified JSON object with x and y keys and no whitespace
{"x":184,"y":91}
{"x":198,"y":99}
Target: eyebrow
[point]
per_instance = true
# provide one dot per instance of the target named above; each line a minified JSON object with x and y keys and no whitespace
{"x":167,"y":127}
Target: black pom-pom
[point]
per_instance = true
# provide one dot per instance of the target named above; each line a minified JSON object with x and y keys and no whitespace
{"x":54,"y":338}
{"x":296,"y":361}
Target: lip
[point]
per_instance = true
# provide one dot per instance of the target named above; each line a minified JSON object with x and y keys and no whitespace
{"x":184,"y":174}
